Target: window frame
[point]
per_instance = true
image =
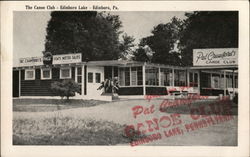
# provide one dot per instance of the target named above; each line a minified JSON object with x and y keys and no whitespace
{"x":77,"y":75}
{"x":34,"y":74}
{"x":100,"y":79}
{"x":50,"y":74}
{"x":133,"y":70}
{"x":154,"y":71}
{"x":167,"y":79}
{"x":193,"y":83}
{"x":92,"y":77}
{"x":70,"y":73}
{"x":121,"y":76}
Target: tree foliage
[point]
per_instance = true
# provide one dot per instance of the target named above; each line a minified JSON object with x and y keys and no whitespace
{"x":66,"y":88}
{"x":126,"y":46}
{"x":207,"y":29}
{"x":140,"y":55}
{"x":173,"y":42}
{"x":162,"y":43}
{"x":95,"y":35}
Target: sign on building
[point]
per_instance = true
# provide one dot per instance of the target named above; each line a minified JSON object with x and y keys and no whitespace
{"x":31,"y":61}
{"x":67,"y":58}
{"x":219,"y":56}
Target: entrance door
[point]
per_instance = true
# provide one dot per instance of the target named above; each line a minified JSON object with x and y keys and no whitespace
{"x":95,"y":76}
{"x":15,"y":84}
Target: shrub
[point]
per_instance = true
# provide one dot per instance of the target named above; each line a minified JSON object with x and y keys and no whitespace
{"x":110,"y":85}
{"x":66,"y":88}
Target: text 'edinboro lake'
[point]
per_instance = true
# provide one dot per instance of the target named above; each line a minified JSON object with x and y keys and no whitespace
{"x":166,"y":126}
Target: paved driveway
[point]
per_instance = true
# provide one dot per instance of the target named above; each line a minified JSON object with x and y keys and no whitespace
{"x":222,"y":133}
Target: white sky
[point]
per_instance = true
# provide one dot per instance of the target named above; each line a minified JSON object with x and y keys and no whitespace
{"x":30,"y":29}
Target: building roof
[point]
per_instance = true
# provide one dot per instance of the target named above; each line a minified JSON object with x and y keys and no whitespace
{"x":114,"y":63}
{"x":231,"y":67}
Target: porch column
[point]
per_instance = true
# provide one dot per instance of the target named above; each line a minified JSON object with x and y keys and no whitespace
{"x":211,"y":80}
{"x":199,"y":82}
{"x":85,"y":80}
{"x":188,"y":81}
{"x":159,"y":76}
{"x":225,"y":92}
{"x":172,"y":77}
{"x":144,"y":78}
{"x":233,"y":83}
{"x":19,"y":83}
{"x":82,"y":84}
{"x":112,"y":72}
{"x":76,"y":74}
{"x":130,"y":76}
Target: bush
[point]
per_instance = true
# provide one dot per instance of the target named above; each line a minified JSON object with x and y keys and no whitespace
{"x":66,"y":88}
{"x":110,"y":85}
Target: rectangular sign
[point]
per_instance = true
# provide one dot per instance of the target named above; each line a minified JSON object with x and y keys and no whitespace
{"x":31,"y":61}
{"x":67,"y":58}
{"x":219,"y":56}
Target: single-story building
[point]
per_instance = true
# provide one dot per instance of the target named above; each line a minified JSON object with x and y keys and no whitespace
{"x":215,"y":72}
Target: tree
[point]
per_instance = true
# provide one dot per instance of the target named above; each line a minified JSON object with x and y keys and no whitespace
{"x":207,"y":29}
{"x":94,"y":35}
{"x":66,"y":88}
{"x":140,"y":55}
{"x":126,"y":46}
{"x":162,"y":43}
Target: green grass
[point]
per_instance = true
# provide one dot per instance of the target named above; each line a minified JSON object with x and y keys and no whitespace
{"x":44,"y":105}
{"x":60,"y":130}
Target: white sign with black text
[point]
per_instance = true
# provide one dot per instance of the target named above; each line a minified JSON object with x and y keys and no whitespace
{"x":219,"y":56}
{"x":31,"y":61}
{"x":67,"y":58}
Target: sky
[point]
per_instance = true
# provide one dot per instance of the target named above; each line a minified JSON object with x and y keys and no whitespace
{"x":30,"y":28}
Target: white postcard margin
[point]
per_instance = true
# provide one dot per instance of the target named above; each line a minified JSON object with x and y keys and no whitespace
{"x":8,"y":150}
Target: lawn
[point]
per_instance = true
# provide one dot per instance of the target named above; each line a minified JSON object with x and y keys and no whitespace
{"x":48,"y":122}
{"x":60,"y":130}
{"x":54,"y":128}
{"x":184,"y":108}
{"x":45,"y":105}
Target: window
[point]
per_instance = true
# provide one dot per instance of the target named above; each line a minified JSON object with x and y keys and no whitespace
{"x":127,"y":76}
{"x":179,"y":77}
{"x":79,"y":75}
{"x":236,"y":82}
{"x":215,"y":81}
{"x":130,"y":76}
{"x":166,"y":77}
{"x":97,"y":77}
{"x":45,"y":74}
{"x":152,"y":76}
{"x":205,"y":80}
{"x":133,"y":76}
{"x":221,"y":81}
{"x":65,"y":73}
{"x":124,"y":76}
{"x":30,"y":74}
{"x":90,"y":77}
{"x":229,"y":81}
{"x":139,"y":76}
{"x":193,"y":79}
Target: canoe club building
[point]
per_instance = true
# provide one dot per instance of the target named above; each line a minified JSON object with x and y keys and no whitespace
{"x":214,"y":72}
